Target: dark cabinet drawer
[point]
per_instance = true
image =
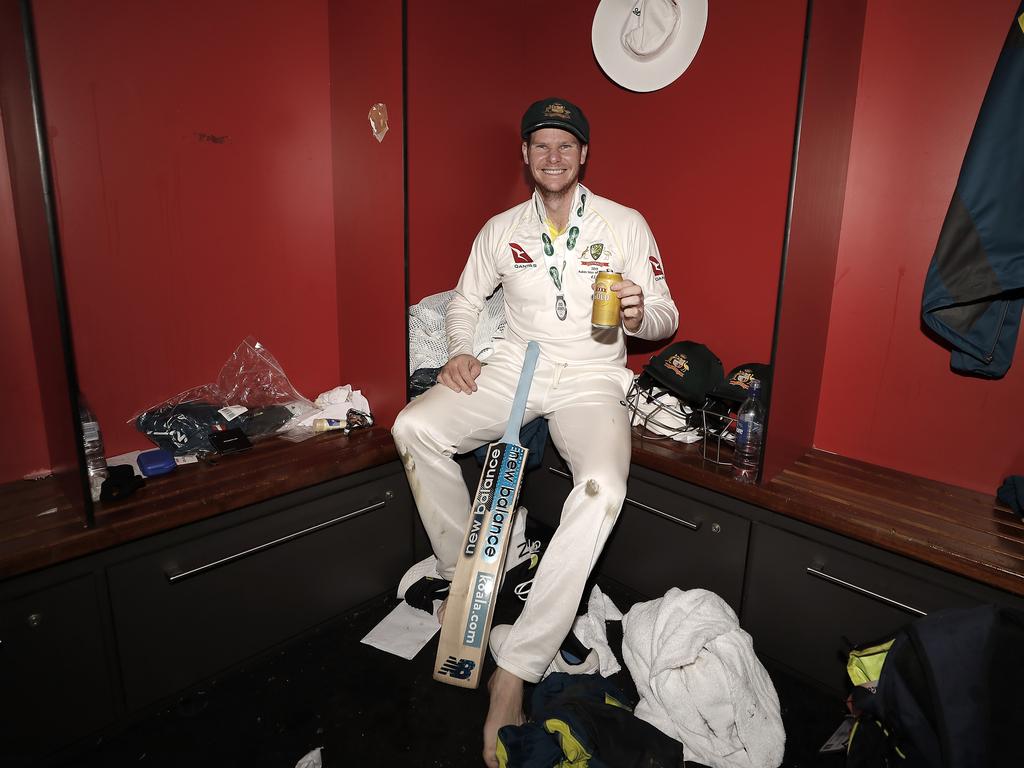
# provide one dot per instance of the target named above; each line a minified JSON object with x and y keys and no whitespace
{"x":54,"y":682}
{"x":193,"y":609}
{"x":664,"y":539}
{"x":804,"y":599}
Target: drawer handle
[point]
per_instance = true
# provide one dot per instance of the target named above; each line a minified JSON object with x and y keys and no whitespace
{"x":181,"y":575}
{"x":680,"y":521}
{"x":818,"y":574}
{"x":644,"y":507}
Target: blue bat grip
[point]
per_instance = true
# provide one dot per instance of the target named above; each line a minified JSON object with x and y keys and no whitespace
{"x":515,"y":417}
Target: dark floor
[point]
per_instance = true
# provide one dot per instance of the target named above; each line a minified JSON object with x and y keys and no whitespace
{"x":365,"y":708}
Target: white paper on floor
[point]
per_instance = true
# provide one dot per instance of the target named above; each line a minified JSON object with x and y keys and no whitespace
{"x":311,"y":760}
{"x":404,"y":631}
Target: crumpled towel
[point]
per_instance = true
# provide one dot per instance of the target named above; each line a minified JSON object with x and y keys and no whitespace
{"x":591,"y":631}
{"x":335,"y":404}
{"x":700,"y":682}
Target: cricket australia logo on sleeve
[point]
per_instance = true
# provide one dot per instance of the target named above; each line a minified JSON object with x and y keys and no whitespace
{"x":520,"y":258}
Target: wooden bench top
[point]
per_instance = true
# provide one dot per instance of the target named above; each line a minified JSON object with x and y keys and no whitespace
{"x":955,"y":529}
{"x":38,"y":528}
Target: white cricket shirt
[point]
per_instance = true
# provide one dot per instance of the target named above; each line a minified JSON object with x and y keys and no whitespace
{"x":510,"y":250}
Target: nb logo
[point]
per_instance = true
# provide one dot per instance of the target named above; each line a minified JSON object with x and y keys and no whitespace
{"x":460,"y":669}
{"x":527,"y":547}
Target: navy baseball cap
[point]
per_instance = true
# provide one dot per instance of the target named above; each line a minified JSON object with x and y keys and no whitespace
{"x":556,"y":113}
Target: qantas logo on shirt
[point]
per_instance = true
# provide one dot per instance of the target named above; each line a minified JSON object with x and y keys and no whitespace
{"x":656,"y":268}
{"x":520,"y":258}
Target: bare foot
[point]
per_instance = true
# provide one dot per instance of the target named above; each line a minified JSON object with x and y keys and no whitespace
{"x":506,"y":709}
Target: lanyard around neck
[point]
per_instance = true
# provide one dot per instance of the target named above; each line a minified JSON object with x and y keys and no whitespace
{"x":556,"y":262}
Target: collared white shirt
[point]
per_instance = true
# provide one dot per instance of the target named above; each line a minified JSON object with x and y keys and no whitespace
{"x":509,"y":250}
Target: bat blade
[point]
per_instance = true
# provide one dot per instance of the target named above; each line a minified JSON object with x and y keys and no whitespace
{"x":462,"y":647}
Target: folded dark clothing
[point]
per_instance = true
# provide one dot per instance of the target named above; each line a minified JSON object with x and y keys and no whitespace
{"x":182,"y":428}
{"x":533,"y":435}
{"x":421,"y":380}
{"x":121,"y":482}
{"x":585,"y":720}
{"x":1011,"y":493}
{"x":265,"y":420}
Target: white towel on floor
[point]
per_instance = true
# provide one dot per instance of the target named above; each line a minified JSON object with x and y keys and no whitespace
{"x":700,"y":682}
{"x":591,"y":631}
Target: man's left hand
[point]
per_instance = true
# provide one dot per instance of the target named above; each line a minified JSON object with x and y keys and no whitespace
{"x":631,"y":304}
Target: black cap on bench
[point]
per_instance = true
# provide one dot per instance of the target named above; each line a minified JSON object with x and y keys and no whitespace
{"x":687,"y":369}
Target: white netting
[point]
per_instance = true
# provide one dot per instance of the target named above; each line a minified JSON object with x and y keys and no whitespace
{"x":428,"y":342}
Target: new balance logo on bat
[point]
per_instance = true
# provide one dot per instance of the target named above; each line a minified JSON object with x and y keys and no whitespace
{"x":460,"y":669}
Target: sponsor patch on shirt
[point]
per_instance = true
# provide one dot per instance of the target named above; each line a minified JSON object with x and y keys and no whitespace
{"x":594,"y":256}
{"x":520,"y":258}
{"x":656,"y":268}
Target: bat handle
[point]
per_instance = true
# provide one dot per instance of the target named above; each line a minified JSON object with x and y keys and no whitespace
{"x":515,"y":417}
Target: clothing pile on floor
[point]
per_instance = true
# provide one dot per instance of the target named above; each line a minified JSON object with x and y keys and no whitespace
{"x":692,"y":691}
{"x":695,"y":691}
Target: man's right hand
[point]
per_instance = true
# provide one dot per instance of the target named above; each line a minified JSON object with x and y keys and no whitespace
{"x":460,"y":373}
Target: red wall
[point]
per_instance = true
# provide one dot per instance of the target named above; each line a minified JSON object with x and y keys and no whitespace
{"x":706,"y":159}
{"x":19,"y":388}
{"x":888,"y":395}
{"x":192,"y":161}
{"x":163,"y":227}
{"x":368,"y":204}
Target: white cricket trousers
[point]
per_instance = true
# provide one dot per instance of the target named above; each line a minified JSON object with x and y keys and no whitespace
{"x":590,"y":428}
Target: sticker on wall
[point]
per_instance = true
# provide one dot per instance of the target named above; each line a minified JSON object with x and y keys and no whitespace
{"x":644,"y":45}
{"x":378,"y":121}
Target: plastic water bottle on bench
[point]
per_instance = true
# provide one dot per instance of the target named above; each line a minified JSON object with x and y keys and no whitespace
{"x":749,"y":436}
{"x":92,"y":439}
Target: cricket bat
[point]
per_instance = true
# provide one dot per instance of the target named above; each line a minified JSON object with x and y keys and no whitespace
{"x":474,"y":591}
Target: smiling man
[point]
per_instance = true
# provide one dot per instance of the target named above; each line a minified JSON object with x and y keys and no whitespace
{"x":546,"y":253}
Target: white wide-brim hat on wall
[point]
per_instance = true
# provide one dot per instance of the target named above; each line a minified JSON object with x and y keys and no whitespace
{"x":644,"y":45}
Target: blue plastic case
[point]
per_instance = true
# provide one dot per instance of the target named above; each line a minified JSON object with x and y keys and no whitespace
{"x":158,"y":462}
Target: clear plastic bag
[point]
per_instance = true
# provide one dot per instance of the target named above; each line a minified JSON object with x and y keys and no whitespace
{"x":251,"y":393}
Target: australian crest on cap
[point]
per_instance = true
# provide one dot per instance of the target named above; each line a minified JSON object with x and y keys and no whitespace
{"x":557,"y":110}
{"x":678,"y":364}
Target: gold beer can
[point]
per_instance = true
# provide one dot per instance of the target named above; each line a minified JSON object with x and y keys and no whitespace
{"x":606,"y":303}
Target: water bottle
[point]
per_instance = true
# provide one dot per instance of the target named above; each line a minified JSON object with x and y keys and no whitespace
{"x":749,"y":436}
{"x":92,"y":440}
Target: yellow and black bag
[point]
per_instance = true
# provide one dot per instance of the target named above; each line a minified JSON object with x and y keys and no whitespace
{"x":944,"y":692}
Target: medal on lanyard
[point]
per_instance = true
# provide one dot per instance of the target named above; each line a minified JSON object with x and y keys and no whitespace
{"x":556,"y":274}
{"x":561,"y":309}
